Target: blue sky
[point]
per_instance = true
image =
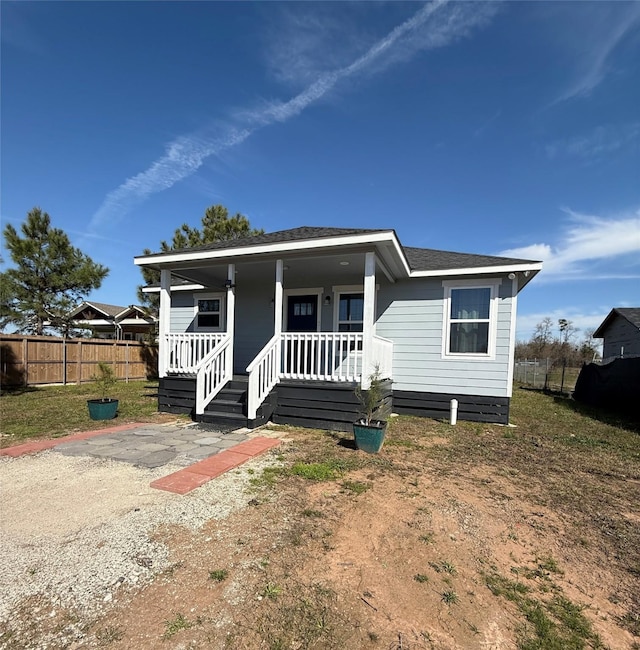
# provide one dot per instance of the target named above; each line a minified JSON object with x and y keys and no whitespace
{"x":502,"y":128}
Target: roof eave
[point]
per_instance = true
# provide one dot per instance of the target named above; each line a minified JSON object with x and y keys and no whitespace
{"x":160,"y":260}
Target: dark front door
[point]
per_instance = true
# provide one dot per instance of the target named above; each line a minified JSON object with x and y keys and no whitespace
{"x":302,"y":313}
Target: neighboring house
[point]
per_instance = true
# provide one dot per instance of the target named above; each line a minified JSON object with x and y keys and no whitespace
{"x":621,"y":333}
{"x":302,"y":316}
{"x":130,"y":323}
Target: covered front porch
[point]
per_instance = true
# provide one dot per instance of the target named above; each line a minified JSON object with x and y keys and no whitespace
{"x":322,"y":321}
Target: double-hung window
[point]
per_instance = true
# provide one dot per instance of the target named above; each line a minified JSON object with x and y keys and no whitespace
{"x":208,"y":315}
{"x":469,"y":319}
{"x":350,"y":312}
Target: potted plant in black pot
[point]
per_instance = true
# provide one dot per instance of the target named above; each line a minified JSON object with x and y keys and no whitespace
{"x":104,"y":408}
{"x":370,"y":429}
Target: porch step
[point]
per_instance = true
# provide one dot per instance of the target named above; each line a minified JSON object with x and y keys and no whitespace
{"x":222,"y":418}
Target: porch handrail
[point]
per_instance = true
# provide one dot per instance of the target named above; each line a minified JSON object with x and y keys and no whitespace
{"x":382,"y":355}
{"x":322,"y":356}
{"x":185,"y":351}
{"x":264,"y":374}
{"x":213,"y":372}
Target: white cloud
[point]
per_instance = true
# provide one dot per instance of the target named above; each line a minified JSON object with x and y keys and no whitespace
{"x":602,"y":141}
{"x":609,"y":24}
{"x":434,"y":25}
{"x":587,"y":243}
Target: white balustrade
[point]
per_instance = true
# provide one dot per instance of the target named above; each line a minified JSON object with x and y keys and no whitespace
{"x":383,"y":356}
{"x":184,"y":351}
{"x":264,"y":374}
{"x":213,"y":373}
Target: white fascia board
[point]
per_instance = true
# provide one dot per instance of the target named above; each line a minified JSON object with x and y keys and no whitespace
{"x":477,"y":270}
{"x":94,"y":322}
{"x":137,"y":321}
{"x":182,"y":287}
{"x":280,"y":247}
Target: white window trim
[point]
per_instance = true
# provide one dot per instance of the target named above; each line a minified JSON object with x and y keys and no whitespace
{"x":315,"y":291}
{"x":209,"y":296}
{"x":448,"y":286}
{"x":338,"y":289}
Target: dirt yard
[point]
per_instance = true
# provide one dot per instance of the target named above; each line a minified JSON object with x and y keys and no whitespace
{"x":474,"y":536}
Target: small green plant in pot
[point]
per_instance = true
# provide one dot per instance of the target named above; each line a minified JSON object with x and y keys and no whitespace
{"x":370,"y":429}
{"x":104,"y":408}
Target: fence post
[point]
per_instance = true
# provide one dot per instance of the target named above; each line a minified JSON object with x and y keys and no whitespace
{"x":525,"y":371}
{"x":64,"y":362}
{"x":126,"y":363}
{"x":25,"y":359}
{"x":79,"y":362}
{"x":546,"y":376}
{"x":535,"y":367}
{"x":564,"y":365}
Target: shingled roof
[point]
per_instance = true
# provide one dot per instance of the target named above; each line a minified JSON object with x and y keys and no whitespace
{"x":632,"y":314}
{"x":429,"y":259}
{"x":419,"y":259}
{"x":292,"y":234}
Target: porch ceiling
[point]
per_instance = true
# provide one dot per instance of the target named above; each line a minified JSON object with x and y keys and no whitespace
{"x":299,"y":271}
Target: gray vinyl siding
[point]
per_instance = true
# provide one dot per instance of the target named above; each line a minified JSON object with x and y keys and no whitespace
{"x":621,"y":334}
{"x":182,"y":313}
{"x":411,"y":315}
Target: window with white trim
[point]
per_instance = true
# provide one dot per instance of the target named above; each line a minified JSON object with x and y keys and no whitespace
{"x":350,"y":312}
{"x":208,"y":316}
{"x":469,"y":319}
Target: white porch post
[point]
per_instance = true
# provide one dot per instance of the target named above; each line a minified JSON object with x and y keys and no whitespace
{"x":231,"y":309}
{"x":164,"y":320}
{"x":277,"y":315}
{"x":368,"y":318}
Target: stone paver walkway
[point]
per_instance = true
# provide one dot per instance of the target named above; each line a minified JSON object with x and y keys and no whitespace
{"x":153,"y":445}
{"x":205,"y":453}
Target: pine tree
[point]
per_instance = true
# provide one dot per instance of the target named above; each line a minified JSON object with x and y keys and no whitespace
{"x":51,"y":276}
{"x":217,"y":225}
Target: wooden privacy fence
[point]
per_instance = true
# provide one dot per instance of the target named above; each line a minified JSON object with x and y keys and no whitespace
{"x":32,"y":360}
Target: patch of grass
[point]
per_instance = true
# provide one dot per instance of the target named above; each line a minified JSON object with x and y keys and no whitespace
{"x":449,"y":597}
{"x":357,"y":487}
{"x":268,"y":477}
{"x":427,"y":538}
{"x":271,"y":591}
{"x":218,"y":575}
{"x":109,"y":634}
{"x":421,"y":577}
{"x":554,"y":624}
{"x":313,"y":514}
{"x":176,"y":624}
{"x":443,"y":567}
{"x":328,"y":470}
{"x":54,"y":411}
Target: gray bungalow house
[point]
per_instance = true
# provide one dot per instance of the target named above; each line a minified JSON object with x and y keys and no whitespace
{"x":621,"y":333}
{"x":285,"y":325}
{"x":105,"y":321}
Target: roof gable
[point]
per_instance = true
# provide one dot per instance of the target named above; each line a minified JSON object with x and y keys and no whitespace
{"x":631,"y":314}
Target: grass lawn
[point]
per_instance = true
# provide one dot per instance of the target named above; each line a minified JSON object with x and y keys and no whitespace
{"x":53,"y":411}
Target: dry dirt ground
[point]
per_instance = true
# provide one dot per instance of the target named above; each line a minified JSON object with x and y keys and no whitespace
{"x":445,"y":540}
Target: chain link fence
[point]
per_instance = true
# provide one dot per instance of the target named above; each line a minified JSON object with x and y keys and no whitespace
{"x":548,"y":374}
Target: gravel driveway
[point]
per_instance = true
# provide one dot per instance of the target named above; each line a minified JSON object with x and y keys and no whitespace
{"x":73,"y":530}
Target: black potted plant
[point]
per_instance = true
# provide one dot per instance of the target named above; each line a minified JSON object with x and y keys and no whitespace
{"x":104,"y":408}
{"x":370,"y":429}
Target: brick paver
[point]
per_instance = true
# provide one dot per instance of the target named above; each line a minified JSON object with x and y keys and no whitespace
{"x":188,"y":479}
{"x":41,"y":445}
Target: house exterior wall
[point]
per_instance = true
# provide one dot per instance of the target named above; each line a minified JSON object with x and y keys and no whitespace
{"x":411,"y":314}
{"x":621,"y":334}
{"x":408,"y":312}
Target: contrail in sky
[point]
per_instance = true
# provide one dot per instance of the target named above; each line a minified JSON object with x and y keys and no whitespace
{"x":186,"y":154}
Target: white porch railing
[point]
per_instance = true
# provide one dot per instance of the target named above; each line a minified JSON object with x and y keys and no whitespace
{"x":264,"y":374}
{"x":213,"y":373}
{"x":319,"y":356}
{"x":322,"y":356}
{"x":383,"y":356}
{"x":184,"y":352}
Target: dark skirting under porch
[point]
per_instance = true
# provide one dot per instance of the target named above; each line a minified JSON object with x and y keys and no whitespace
{"x":476,"y":408}
{"x":319,"y":404}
